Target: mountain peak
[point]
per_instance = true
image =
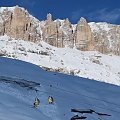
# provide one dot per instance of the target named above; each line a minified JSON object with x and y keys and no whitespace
{"x":49,"y":18}
{"x":10,"y":8}
{"x":82,"y":20}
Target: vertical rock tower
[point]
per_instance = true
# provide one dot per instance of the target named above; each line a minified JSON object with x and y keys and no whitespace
{"x":83,"y":35}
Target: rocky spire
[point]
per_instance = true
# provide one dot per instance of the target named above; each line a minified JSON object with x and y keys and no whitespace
{"x":82,"y":22}
{"x":83,"y":35}
{"x":49,"y":18}
{"x":67,"y":23}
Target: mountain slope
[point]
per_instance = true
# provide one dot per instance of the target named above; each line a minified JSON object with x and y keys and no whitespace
{"x":16,"y":98}
{"x":93,"y":65}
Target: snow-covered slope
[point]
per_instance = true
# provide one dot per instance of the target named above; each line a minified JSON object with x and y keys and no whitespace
{"x":93,"y":65}
{"x":19,"y":82}
{"x":97,"y":27}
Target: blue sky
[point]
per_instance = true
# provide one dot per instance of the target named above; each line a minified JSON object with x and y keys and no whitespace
{"x":92,"y":10}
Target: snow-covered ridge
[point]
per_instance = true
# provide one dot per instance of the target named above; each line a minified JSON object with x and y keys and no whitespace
{"x":93,"y":65}
{"x":10,"y":8}
{"x":6,"y":8}
{"x":95,"y":27}
{"x":101,"y":26}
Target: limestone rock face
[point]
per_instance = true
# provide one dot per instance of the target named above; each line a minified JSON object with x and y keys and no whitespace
{"x":57,"y":33}
{"x":17,"y":23}
{"x":1,"y":29}
{"x":68,"y":33}
{"x":83,"y":35}
{"x":50,"y":31}
{"x":49,"y":19}
{"x":67,"y":24}
{"x":106,"y":38}
{"x":114,"y":47}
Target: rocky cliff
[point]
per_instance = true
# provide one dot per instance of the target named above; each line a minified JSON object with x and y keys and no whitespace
{"x":17,"y":23}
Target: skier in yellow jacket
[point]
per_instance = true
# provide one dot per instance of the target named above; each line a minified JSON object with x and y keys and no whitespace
{"x":36,"y":102}
{"x":50,"y":100}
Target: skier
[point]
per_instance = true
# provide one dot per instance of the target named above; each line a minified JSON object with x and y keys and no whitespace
{"x":50,"y":100}
{"x":36,"y":102}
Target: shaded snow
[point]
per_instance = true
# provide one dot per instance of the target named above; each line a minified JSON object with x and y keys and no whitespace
{"x":68,"y":92}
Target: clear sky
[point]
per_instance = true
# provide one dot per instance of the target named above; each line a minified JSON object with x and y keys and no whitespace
{"x":92,"y":10}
